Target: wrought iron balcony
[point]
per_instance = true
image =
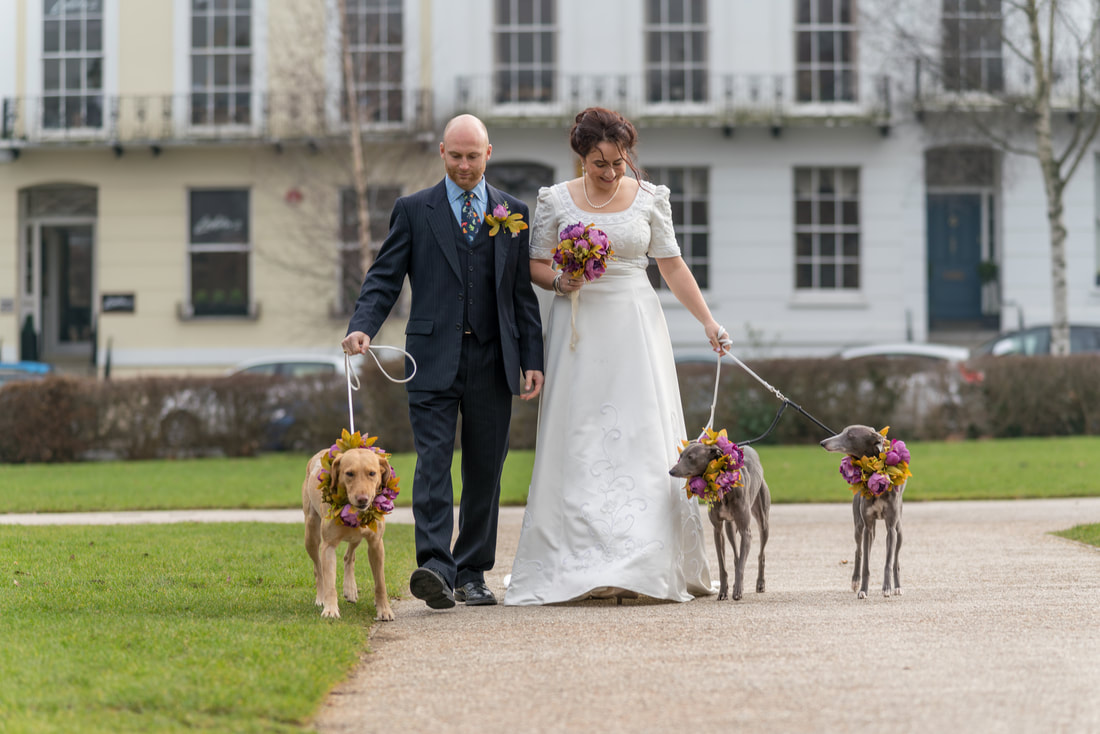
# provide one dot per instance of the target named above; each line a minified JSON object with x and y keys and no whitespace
{"x":721,"y":100}
{"x":989,"y":85}
{"x":162,"y":120}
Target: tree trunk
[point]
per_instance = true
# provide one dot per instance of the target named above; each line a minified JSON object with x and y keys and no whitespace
{"x":359,"y":169}
{"x":1052,"y":180}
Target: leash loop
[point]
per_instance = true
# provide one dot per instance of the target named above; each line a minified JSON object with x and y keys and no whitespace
{"x":353,"y":378}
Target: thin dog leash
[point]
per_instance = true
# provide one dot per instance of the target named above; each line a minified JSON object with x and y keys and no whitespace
{"x":353,"y":377}
{"x":725,"y":341}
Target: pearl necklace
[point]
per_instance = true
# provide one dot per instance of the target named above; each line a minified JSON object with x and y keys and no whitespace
{"x":584,"y":185}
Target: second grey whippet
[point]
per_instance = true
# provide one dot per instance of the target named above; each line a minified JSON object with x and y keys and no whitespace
{"x":863,"y":441}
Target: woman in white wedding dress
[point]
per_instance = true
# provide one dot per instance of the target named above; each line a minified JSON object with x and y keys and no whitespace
{"x":604,"y":518}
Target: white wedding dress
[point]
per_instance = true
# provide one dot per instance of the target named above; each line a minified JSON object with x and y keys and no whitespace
{"x":603,"y":515}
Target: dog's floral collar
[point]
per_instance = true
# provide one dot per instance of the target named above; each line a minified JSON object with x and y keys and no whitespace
{"x":722,"y":474}
{"x":873,"y":476}
{"x":501,"y":216}
{"x":337,"y":499}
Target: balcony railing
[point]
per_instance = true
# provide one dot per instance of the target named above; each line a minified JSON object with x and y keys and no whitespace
{"x":992,"y":86}
{"x":721,"y":100}
{"x":184,"y":119}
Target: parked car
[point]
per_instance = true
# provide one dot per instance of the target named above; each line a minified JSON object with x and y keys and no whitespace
{"x":15,"y":371}
{"x":195,"y":412}
{"x":1036,"y":340}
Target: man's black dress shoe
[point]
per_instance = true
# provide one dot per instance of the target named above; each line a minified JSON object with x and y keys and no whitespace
{"x":428,"y":585}
{"x":475,"y":594}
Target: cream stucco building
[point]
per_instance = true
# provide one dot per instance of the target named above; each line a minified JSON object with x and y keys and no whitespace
{"x":174,"y":173}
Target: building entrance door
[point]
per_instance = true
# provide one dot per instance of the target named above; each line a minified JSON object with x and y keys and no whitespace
{"x":66,"y":290}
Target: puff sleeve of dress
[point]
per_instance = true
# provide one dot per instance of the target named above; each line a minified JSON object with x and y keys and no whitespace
{"x":662,"y":238}
{"x":544,"y":225}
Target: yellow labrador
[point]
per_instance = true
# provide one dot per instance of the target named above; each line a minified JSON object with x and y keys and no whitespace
{"x":362,"y":473}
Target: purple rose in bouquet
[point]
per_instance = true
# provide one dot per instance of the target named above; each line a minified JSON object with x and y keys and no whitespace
{"x":902,"y":451}
{"x":728,"y":479}
{"x":698,"y":486}
{"x":383,"y":504}
{"x":878,"y":483}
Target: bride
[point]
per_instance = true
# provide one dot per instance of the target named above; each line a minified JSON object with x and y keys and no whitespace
{"x":604,"y":518}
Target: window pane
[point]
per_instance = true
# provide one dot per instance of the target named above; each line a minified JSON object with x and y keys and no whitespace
{"x":803,"y":182}
{"x":221,"y":70}
{"x":94,"y":32}
{"x":72,"y":35}
{"x":504,"y":12}
{"x":805,"y":47}
{"x":804,"y":275}
{"x":803,"y":215}
{"x":221,"y":31}
{"x":850,"y":213}
{"x":51,"y":75}
{"x":675,"y":11}
{"x":526,"y":12}
{"x":199,"y":38}
{"x":803,"y":245}
{"x":242,"y":31}
{"x":804,"y":11}
{"x":827,"y":276}
{"x":73,"y":74}
{"x":805,"y":86}
{"x":243,"y":70}
{"x":699,"y":212}
{"x":824,"y":11}
{"x":826,"y":212}
{"x":826,"y":52}
{"x":219,"y":283}
{"x":827,"y":245}
{"x":219,"y":217}
{"x":94,"y":80}
{"x":851,"y":276}
{"x":51,"y":36}
{"x":198,"y":72}
{"x":851,"y":244}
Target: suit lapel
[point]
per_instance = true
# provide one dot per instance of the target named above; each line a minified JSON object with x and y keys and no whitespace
{"x":502,"y":238}
{"x":441,"y":221}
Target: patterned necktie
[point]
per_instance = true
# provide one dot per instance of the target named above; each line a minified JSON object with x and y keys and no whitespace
{"x":471,"y":219}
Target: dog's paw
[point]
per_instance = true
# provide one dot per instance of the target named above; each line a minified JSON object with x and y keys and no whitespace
{"x":760,"y":587}
{"x":722,"y":596}
{"x":330,"y":613}
{"x":351,"y":595}
{"x":897,"y":591}
{"x":384,"y":615}
{"x":319,"y":602}
{"x":862,"y":594}
{"x":855,"y":586}
{"x":737,"y":596}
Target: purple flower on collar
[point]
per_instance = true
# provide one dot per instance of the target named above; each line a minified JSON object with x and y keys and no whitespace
{"x":349,"y":516}
{"x":878,"y":483}
{"x":852,"y":474}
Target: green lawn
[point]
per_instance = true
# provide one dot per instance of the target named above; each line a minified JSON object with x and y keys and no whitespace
{"x":1083,"y":533}
{"x":1003,"y":469}
{"x":173,"y":628}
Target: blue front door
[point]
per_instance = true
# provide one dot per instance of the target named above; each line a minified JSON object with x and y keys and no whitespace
{"x":954,"y":254}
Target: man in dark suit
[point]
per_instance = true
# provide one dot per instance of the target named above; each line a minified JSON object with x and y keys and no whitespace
{"x":473,"y":330}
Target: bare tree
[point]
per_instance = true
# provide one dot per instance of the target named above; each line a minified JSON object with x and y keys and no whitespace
{"x":1042,"y":102}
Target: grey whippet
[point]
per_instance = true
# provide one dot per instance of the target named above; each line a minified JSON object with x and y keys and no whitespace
{"x":863,"y":441}
{"x":732,"y":511}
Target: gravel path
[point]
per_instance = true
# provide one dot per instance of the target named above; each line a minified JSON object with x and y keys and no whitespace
{"x":998,"y":631}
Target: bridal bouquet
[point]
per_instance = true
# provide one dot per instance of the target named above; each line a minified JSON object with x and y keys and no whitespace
{"x":873,"y":476}
{"x":582,"y":252}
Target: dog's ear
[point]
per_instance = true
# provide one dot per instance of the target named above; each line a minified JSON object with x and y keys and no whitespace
{"x":337,"y":478}
{"x":384,"y":468}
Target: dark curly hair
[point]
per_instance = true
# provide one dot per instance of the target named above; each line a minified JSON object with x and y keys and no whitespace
{"x":597,"y":125}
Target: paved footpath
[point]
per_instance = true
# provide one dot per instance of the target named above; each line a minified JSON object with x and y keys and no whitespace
{"x":998,"y":631}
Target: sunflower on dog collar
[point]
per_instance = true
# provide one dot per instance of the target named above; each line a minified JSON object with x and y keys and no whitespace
{"x":722,"y":474}
{"x":873,"y":476}
{"x":337,"y":498}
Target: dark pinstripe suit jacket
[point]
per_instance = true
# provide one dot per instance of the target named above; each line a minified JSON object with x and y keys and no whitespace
{"x":422,"y":245}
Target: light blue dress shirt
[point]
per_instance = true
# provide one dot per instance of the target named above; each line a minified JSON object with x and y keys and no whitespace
{"x":454,"y":196}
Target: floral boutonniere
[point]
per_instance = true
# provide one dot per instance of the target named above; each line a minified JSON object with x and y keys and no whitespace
{"x":502,"y":217}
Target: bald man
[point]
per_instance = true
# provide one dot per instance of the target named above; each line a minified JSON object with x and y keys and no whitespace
{"x":475,"y":333}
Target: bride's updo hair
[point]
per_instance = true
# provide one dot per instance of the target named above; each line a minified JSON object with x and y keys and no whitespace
{"x":597,"y":125}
